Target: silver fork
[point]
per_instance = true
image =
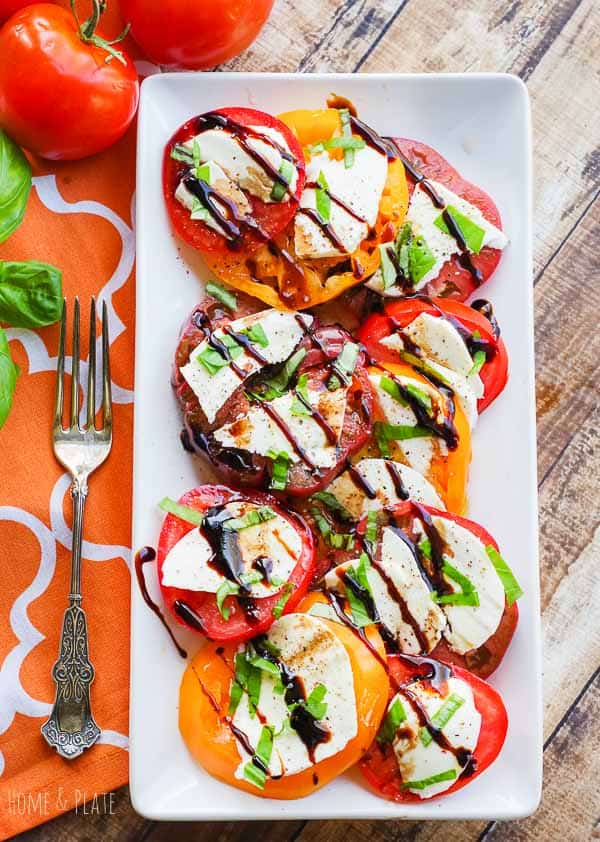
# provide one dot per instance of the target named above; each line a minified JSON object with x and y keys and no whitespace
{"x":71,"y":727}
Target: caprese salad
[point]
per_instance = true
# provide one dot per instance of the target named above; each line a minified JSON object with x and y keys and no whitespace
{"x":349,"y":611}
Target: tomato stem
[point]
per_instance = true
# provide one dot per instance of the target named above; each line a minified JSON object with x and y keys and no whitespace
{"x":87,"y":31}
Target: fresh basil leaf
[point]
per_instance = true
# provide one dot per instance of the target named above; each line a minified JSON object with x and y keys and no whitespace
{"x":393,"y":389}
{"x":393,"y":718}
{"x":466,"y":596}
{"x":279,"y":469}
{"x":283,"y":600}
{"x":360,"y":615}
{"x":182,"y":153}
{"x":249,"y":678}
{"x":345,"y":143}
{"x":384,"y":433}
{"x":442,"y":716}
{"x":371,"y":527}
{"x":449,"y":775}
{"x":254,"y":775}
{"x":225,"y":589}
{"x":479,"y":359}
{"x":30,"y":293}
{"x":8,"y":378}
{"x":182,"y":512}
{"x":213,"y":361}
{"x":346,"y":123}
{"x":420,"y":259}
{"x":333,"y":504}
{"x":278,"y":384}
{"x":314,"y":704}
{"x":420,"y":395}
{"x":203,"y":173}
{"x":196,"y":155}
{"x":424,"y":547}
{"x":403,"y":243}
{"x":224,"y":296}
{"x":344,"y":364}
{"x":298,"y":407}
{"x":472,"y":234}
{"x":286,"y":170}
{"x":322,"y":198}
{"x":251,"y":518}
{"x":263,"y":664}
{"x":388,"y":270}
{"x":15,"y":184}
{"x":337,"y":540}
{"x":256,"y":334}
{"x":198,"y":211}
{"x":512,"y":589}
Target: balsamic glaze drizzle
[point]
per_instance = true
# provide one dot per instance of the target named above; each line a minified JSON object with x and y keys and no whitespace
{"x":144,"y":556}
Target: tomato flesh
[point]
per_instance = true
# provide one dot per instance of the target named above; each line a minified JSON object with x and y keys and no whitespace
{"x":379,"y":765}
{"x":378,"y":326}
{"x":271,"y":217}
{"x":238,"y":627}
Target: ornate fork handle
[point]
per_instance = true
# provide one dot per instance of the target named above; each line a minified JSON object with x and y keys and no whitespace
{"x":71,"y":727}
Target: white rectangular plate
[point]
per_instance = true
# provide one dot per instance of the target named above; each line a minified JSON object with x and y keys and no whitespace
{"x":480,"y":123}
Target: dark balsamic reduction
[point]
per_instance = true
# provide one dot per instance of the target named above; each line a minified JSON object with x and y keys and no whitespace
{"x":188,"y":615}
{"x":331,"y":434}
{"x":325,"y":227}
{"x":401,"y":491}
{"x":144,"y":556}
{"x":360,"y":481}
{"x":369,"y":135}
{"x":314,"y":185}
{"x":485,"y":308}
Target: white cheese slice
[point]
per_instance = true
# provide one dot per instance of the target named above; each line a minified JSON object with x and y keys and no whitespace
{"x":447,"y":354}
{"x":187,"y":563}
{"x":398,"y":565}
{"x":422,"y":214}
{"x":417,"y":762}
{"x":470,"y":626}
{"x":212,"y":390}
{"x":225,"y":187}
{"x":375,"y":472}
{"x":310,"y":650}
{"x":221,"y":146}
{"x":359,"y":187}
{"x":257,"y":432}
{"x":417,"y":452}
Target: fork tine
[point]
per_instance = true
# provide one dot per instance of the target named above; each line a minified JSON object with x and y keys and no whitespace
{"x":75,"y":367}
{"x":91,"y":389}
{"x":106,"y":387}
{"x":60,"y":368}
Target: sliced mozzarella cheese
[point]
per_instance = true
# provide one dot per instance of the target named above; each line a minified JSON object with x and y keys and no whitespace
{"x":359,"y":187}
{"x":187,"y":563}
{"x":221,"y":146}
{"x":470,"y":626}
{"x":447,"y":354}
{"x":225,"y":187}
{"x":422,"y":214}
{"x":378,"y":476}
{"x":212,"y":390}
{"x":398,"y":591}
{"x":257,"y":432}
{"x":418,"y":762}
{"x":417,"y":452}
{"x":310,"y":650}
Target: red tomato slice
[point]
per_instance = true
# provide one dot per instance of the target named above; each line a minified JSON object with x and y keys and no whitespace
{"x":401,"y":313}
{"x":204,"y":605}
{"x":453,"y":281}
{"x":379,"y":765}
{"x":271,"y":217}
{"x":486,"y":659}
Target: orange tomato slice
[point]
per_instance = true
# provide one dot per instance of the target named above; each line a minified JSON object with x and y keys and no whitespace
{"x":269,"y":274}
{"x":204,"y":699}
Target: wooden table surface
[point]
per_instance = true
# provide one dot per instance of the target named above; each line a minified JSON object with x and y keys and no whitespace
{"x":554,"y":48}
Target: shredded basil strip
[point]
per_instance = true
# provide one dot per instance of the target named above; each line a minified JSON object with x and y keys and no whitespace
{"x":388,"y":270}
{"x":384,"y":433}
{"x":424,"y":547}
{"x":360,"y":614}
{"x":8,"y":378}
{"x":449,"y":775}
{"x":393,"y":389}
{"x":167,"y":504}
{"x":279,"y":469}
{"x":248,"y":678}
{"x":251,"y":518}
{"x":277,"y":385}
{"x":182,"y":153}
{"x":472,"y":234}
{"x":333,"y":504}
{"x":286,"y":170}
{"x":213,"y":361}
{"x":344,"y":143}
{"x":512,"y":589}
{"x":222,"y":294}
{"x":345,"y":363}
{"x":347,"y":132}
{"x":371,"y":527}
{"x":322,"y":198}
{"x":337,"y":540}
{"x":314,"y":704}
{"x":257,"y":335}
{"x":479,"y":359}
{"x":442,"y":716}
{"x":297,"y":407}
{"x":283,"y":599}
{"x":393,"y":718}
{"x":225,"y":589}
{"x":467,"y":596}
{"x":420,"y":395}
{"x":264,"y":749}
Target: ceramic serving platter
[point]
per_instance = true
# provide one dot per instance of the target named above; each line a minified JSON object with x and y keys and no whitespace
{"x":481,"y":124}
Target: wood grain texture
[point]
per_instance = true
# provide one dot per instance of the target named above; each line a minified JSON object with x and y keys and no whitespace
{"x":554,"y":47}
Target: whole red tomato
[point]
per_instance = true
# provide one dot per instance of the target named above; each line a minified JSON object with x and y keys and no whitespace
{"x":194,"y":33}
{"x":61,"y":96}
{"x":9,"y":7}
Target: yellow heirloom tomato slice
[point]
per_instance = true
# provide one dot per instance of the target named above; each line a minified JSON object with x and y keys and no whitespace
{"x":275,"y":275}
{"x":216,"y":741}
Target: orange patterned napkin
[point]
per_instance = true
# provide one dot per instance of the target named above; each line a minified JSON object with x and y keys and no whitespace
{"x":79,"y":217}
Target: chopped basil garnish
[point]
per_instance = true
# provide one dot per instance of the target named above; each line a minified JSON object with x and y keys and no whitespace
{"x":317,"y":148}
{"x":442,"y":716}
{"x":424,"y":547}
{"x":253,"y":772}
{"x":393,"y":389}
{"x":358,"y":575}
{"x":449,"y":775}
{"x":472,"y":234}
{"x":420,"y":259}
{"x":424,"y":366}
{"x":388,"y":270}
{"x":393,"y":718}
{"x":466,"y":596}
{"x":182,"y":153}
{"x":314,"y":704}
{"x":347,"y":132}
{"x":414,"y":257}
{"x":182,"y":512}
{"x":286,"y":170}
{"x":256,"y":334}
{"x":203,"y":173}
{"x":213,"y":361}
{"x":196,"y":156}
{"x":225,"y":589}
{"x":420,"y":395}
{"x":254,"y":775}
{"x":337,"y":540}
{"x":298,"y":407}
{"x":384,"y":433}
{"x":345,"y":363}
{"x":223,"y":295}
{"x":280,"y":467}
{"x":344,"y":143}
{"x":512,"y":589}
{"x":323,"y":201}
{"x":277,"y":385}
{"x":402,"y":243}
{"x":478,"y":362}
{"x":248,"y":678}
{"x":251,"y":518}
{"x":371,"y":527}
{"x":333,"y":504}
{"x":283,"y":599}
{"x":262,"y":664}
{"x":198,"y":211}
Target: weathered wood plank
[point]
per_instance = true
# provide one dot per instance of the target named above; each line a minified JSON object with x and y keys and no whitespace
{"x":223,"y":831}
{"x":552,"y":45}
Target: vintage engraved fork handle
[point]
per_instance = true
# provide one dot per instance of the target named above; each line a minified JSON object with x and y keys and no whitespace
{"x":71,"y":727}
